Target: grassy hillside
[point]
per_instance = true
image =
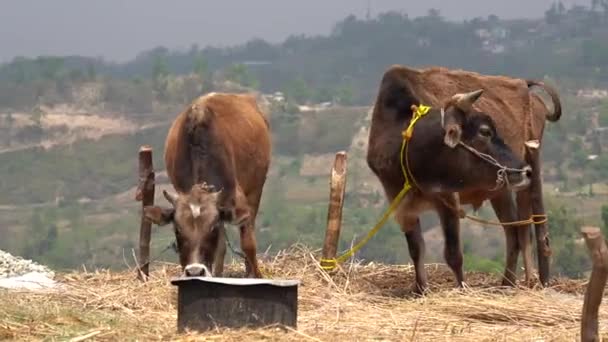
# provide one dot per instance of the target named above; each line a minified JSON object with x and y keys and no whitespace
{"x":87,"y":168}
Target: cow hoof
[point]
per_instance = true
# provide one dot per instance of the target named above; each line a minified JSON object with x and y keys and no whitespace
{"x":255,"y":275}
{"x":420,"y":289}
{"x":508,"y":282}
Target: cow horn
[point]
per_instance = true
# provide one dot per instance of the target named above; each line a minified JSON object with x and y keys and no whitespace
{"x":465,"y":101}
{"x":172,"y":198}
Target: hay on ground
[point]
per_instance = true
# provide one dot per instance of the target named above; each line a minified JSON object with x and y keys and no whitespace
{"x":359,"y":302}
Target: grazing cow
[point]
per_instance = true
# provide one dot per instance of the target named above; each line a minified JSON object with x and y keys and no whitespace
{"x":454,"y":148}
{"x":217,"y":155}
{"x":520,"y":117}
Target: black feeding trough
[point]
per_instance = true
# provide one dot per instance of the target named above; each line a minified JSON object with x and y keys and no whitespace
{"x":205,"y":303}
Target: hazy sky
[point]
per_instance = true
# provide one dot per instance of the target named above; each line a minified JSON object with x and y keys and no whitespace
{"x":119,"y":29}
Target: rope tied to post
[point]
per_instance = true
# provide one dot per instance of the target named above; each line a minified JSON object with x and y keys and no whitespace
{"x":330,"y":264}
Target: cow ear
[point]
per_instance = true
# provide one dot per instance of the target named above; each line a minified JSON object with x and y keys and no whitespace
{"x":452,"y":135}
{"x":452,"y":127}
{"x":159,"y":216}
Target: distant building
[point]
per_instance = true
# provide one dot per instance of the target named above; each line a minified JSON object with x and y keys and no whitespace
{"x":592,"y":93}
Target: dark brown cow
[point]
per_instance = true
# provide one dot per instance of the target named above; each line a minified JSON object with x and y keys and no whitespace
{"x":217,"y":155}
{"x":520,"y":117}
{"x":454,"y":148}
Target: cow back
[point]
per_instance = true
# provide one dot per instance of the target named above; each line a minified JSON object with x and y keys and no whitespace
{"x":507,"y":100}
{"x":238,"y":124}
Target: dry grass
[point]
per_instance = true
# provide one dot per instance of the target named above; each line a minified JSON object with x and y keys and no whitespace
{"x":358,"y":303}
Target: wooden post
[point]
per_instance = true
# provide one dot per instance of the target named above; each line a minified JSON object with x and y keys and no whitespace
{"x":145,"y":194}
{"x":337,"y":186}
{"x":543,"y":252}
{"x":595,"y":289}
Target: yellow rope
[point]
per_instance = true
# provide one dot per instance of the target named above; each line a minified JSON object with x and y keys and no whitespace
{"x":531,"y":220}
{"x":330,"y":264}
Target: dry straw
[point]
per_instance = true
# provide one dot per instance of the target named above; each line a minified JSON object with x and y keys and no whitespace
{"x":369,"y":302}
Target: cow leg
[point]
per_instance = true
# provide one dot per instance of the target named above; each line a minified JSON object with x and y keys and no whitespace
{"x":523,"y":232}
{"x":416,"y":247}
{"x":410,"y":226}
{"x":248,"y":241}
{"x":538,"y":208}
{"x":505,"y":211}
{"x":248,"y":246}
{"x":450,"y":223}
{"x":220,"y":252}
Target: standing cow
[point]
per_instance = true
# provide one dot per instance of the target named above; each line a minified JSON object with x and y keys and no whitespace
{"x":217,"y":155}
{"x":520,"y":117}
{"x":454,"y":148}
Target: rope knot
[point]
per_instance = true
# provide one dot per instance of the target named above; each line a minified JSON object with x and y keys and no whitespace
{"x":407,"y":134}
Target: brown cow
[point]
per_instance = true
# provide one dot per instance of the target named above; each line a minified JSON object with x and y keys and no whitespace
{"x":217,"y":155}
{"x":520,"y":117}
{"x":454,"y":148}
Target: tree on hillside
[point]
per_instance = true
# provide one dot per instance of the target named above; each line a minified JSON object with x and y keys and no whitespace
{"x":201,"y":68}
{"x":91,"y":72}
{"x":9,"y":121}
{"x":554,"y":14}
{"x":561,"y":9}
{"x":76,"y":76}
{"x":239,"y":73}
{"x":605,"y":219}
{"x":36,"y":115}
{"x":434,"y":13}
{"x":160,"y":68}
{"x":298,"y":91}
{"x":50,"y":67}
{"x":344,"y":94}
{"x":596,"y":4}
{"x":603,"y":114}
{"x":20,"y":70}
{"x":160,"y":76}
{"x":493,"y":19}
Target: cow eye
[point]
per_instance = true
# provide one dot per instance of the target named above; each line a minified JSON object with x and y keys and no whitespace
{"x":485,"y":131}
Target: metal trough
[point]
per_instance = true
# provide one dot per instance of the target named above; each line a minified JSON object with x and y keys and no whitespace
{"x":205,"y":303}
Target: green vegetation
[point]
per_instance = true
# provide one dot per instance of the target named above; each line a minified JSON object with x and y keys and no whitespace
{"x":343,"y":69}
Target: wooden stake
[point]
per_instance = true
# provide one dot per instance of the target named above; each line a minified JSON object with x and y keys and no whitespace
{"x":145,"y":194}
{"x":595,"y":289}
{"x":336,"y":202}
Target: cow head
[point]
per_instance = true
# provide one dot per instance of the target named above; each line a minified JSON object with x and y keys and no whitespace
{"x":196,"y":222}
{"x":461,"y":150}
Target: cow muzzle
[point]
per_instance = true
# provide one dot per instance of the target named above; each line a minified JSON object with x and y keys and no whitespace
{"x":197,"y":270}
{"x":519,"y":180}
{"x":508,"y":177}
